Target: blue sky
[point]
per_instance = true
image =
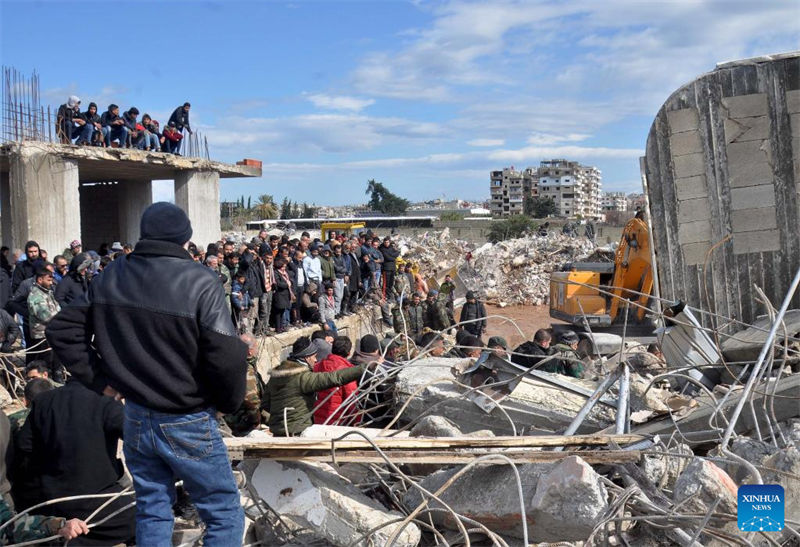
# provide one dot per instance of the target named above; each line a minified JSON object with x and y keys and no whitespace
{"x":426,"y":97}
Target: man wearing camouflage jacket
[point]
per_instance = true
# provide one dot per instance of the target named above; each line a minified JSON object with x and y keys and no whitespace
{"x":248,"y":416}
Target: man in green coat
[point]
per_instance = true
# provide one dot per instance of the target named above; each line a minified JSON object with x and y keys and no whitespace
{"x":568,"y":361}
{"x":292,"y":388}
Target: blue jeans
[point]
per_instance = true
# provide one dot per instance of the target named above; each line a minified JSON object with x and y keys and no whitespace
{"x":83,"y":132}
{"x":116,"y":132}
{"x":151,"y":140}
{"x":161,"y":447}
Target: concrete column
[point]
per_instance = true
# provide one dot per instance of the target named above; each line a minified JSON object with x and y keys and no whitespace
{"x":197,"y":193}
{"x":44,"y":199}
{"x":5,"y":208}
{"x":134,"y":198}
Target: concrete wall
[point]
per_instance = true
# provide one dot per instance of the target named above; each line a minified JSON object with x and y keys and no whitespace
{"x":134,"y":198}
{"x":197,"y":193}
{"x":42,"y":199}
{"x":274,"y":349}
{"x":722,"y":161}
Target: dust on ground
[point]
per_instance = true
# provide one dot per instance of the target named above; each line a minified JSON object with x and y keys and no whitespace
{"x":527,"y":318}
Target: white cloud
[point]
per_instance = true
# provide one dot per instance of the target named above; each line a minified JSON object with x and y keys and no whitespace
{"x":340,"y":102}
{"x":537,"y":138}
{"x":531,"y":153}
{"x":332,"y":133}
{"x":486,"y":142}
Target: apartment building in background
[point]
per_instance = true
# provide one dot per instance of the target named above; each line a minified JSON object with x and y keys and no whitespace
{"x":615,"y":201}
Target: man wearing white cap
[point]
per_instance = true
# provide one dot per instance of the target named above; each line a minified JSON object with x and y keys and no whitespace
{"x":70,"y":123}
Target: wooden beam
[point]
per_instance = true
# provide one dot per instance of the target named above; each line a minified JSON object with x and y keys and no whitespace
{"x":442,"y":458}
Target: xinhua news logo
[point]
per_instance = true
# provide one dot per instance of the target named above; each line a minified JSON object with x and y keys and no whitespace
{"x":761,"y":508}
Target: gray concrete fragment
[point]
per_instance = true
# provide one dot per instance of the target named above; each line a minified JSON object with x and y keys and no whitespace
{"x":746,"y":106}
{"x":435,"y":426}
{"x":323,"y":501}
{"x":705,"y":483}
{"x":664,"y":470}
{"x":569,"y":502}
{"x":752,"y":450}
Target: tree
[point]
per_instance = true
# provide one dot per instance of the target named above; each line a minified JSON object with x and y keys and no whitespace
{"x":512,"y":228}
{"x":248,"y":202}
{"x":384,"y":201}
{"x":286,"y":208}
{"x":539,"y":207}
{"x":451,"y":216}
{"x":308,"y":212}
{"x":296,"y":211}
{"x":266,"y":207}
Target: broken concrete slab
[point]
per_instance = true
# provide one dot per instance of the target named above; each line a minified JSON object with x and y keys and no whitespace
{"x":322,"y":500}
{"x":438,"y":426}
{"x":533,"y":406}
{"x":705,"y":483}
{"x":752,"y":450}
{"x":569,"y":501}
{"x":745,"y":345}
{"x":562,"y":500}
{"x":786,"y":465}
{"x":486,"y":493}
{"x":664,"y":469}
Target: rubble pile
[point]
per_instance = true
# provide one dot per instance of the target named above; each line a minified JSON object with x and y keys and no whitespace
{"x":510,"y":272}
{"x":560,"y":472}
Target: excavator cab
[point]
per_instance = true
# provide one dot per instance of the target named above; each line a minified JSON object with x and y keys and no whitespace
{"x":597,"y":291}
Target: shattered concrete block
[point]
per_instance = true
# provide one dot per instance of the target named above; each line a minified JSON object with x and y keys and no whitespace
{"x":486,"y":493}
{"x":531,"y":406}
{"x":786,"y":461}
{"x":749,"y":449}
{"x":569,"y":502}
{"x":705,"y":483}
{"x":663,"y":470}
{"x":321,"y":500}
{"x":435,"y":426}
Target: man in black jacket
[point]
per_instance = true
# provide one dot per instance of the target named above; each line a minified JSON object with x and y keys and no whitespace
{"x":73,"y":432}
{"x":390,"y":254}
{"x":473,"y":311}
{"x":74,"y":284}
{"x":181,"y":118}
{"x":534,"y":351}
{"x":114,"y":127}
{"x":154,"y":328}
{"x":25,"y":268}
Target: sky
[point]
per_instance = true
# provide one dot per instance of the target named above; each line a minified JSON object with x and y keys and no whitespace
{"x":426,"y":97}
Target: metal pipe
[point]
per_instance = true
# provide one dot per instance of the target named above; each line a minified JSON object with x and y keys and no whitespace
{"x":624,"y":395}
{"x":760,"y":361}
{"x":589,"y":404}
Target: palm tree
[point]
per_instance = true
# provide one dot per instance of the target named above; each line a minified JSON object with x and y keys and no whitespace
{"x":266,"y":207}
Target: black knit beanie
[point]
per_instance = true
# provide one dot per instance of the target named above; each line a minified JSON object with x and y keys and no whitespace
{"x":369,"y":344}
{"x":165,"y":222}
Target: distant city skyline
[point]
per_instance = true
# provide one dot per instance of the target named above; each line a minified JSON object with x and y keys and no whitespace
{"x":426,"y":97}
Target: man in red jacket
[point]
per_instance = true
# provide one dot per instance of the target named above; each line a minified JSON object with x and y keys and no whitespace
{"x":329,"y":409}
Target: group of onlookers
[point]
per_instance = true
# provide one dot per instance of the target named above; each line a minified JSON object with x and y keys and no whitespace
{"x":89,"y":128}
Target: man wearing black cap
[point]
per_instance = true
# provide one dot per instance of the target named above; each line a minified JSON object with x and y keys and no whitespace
{"x":292,"y":388}
{"x":155,"y":330}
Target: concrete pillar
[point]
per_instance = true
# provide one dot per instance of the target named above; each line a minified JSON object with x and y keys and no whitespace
{"x":197,"y":193}
{"x":134,"y":198}
{"x":5,"y":208}
{"x":44,"y":199}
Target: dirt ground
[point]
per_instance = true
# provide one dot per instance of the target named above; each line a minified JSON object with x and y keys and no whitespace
{"x":527,"y":318}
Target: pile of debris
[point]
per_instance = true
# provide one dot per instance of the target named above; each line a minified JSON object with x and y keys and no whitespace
{"x":510,"y":272}
{"x":483,"y":452}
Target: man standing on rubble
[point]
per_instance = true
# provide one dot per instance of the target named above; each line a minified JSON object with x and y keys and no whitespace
{"x":154,"y":329}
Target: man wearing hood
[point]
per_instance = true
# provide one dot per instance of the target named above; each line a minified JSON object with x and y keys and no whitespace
{"x":92,"y":119}
{"x":292,"y":388}
{"x":329,"y":402}
{"x":70,"y":124}
{"x":74,"y":285}
{"x":114,"y":127}
{"x":475,"y":312}
{"x":328,"y":268}
{"x":135,"y":130}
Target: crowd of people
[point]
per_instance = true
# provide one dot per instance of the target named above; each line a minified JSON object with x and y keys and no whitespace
{"x":90,"y":128}
{"x":172,"y":329}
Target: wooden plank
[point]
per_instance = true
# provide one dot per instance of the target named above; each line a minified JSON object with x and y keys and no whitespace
{"x":450,"y":458}
{"x":422,"y":443}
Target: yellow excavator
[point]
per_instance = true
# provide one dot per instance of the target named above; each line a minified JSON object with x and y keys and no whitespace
{"x":594,"y":293}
